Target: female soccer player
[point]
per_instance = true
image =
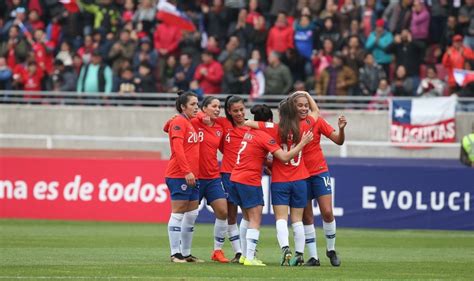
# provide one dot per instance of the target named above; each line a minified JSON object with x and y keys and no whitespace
{"x":319,"y":187}
{"x":246,"y":175}
{"x":288,"y":188}
{"x":181,"y":179}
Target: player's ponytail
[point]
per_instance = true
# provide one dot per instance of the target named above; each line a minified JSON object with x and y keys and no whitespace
{"x":289,"y":121}
{"x":262,"y":112}
{"x":182,"y":99}
{"x":229,"y":101}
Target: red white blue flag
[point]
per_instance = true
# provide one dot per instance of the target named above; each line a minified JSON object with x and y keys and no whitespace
{"x":423,"y":120}
{"x":169,"y":14}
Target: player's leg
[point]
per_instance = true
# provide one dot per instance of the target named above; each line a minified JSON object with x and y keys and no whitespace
{"x":280,"y":192}
{"x":220,"y":229}
{"x":298,"y":200}
{"x":244,"y":225}
{"x":308,"y":224}
{"x":187,"y":226}
{"x":232,"y":228}
{"x":253,"y":234}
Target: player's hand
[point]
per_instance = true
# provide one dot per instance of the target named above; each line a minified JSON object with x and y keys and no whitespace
{"x":190,"y":179}
{"x":342,"y":122}
{"x":307,"y":137}
{"x":207,"y":120}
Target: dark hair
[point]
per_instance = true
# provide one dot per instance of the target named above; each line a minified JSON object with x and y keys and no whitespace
{"x":432,"y":67}
{"x":289,"y":121}
{"x":229,"y":101}
{"x":261,"y":112}
{"x":182,"y":99}
{"x":207,"y":100}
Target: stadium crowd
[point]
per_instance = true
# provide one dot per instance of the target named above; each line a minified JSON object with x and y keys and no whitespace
{"x":254,"y":47}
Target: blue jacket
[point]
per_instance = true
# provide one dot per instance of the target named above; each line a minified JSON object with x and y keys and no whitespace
{"x":304,"y":38}
{"x":379,"y":48}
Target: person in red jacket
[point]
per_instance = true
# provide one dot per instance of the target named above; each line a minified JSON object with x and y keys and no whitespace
{"x":455,"y":57}
{"x":209,"y":74}
{"x":280,"y":37}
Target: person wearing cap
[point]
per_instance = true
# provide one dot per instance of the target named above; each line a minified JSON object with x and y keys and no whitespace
{"x":95,"y":77}
{"x":455,"y":57}
{"x":378,"y":42}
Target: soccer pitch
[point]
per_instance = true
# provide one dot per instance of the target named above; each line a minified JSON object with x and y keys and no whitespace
{"x":94,"y":250}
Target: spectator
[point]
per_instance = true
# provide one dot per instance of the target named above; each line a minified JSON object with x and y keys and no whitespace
{"x":144,"y":81}
{"x":126,"y":84}
{"x":278,"y":79}
{"x":370,"y":76}
{"x":378,"y":42}
{"x":431,"y":86}
{"x":323,"y":59}
{"x":257,"y":79}
{"x":439,"y":14}
{"x":145,"y":15}
{"x":253,"y":14}
{"x":14,"y":49}
{"x":280,"y":37}
{"x":184,"y":72}
{"x":122,"y":50}
{"x":85,"y":52}
{"x":368,"y":17}
{"x":213,"y":46}
{"x":95,"y":77}
{"x":354,"y":54}
{"x":336,"y":79}
{"x":63,"y":79}
{"x":383,"y":91}
{"x":6,"y":75}
{"x":455,"y":57}
{"x":34,"y":21}
{"x":209,"y":74}
{"x":304,"y":37}
{"x":236,"y":81}
{"x":241,"y":29}
{"x":398,"y":16}
{"x":258,"y":36}
{"x":167,"y":79}
{"x":106,"y":15}
{"x":331,"y":32}
{"x":65,"y":54}
{"x":466,"y":20}
{"x":195,"y":88}
{"x":451,"y":29}
{"x":347,"y":13}
{"x":295,"y":63}
{"x":402,"y":85}
{"x":145,"y":53}
{"x":232,"y":51}
{"x":420,"y":21}
{"x":33,"y":78}
{"x":216,"y":21}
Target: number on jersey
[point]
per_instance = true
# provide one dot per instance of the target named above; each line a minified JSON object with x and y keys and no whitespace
{"x":292,"y":161}
{"x":243,"y":145}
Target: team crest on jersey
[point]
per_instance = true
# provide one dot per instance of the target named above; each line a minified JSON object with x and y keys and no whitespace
{"x":308,"y":122}
{"x":176,"y":128}
{"x":184,"y":187}
{"x":218,"y":133}
{"x":248,"y":136}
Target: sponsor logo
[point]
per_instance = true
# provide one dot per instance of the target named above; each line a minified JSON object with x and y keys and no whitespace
{"x":272,"y":141}
{"x":176,"y":128}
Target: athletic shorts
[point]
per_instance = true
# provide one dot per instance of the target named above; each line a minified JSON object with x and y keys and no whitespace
{"x":292,"y":193}
{"x":211,"y":189}
{"x":179,"y":190}
{"x":227,"y":187}
{"x":247,"y":196}
{"x":319,"y":185}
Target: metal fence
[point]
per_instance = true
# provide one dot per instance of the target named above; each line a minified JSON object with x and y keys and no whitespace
{"x":168,"y":100}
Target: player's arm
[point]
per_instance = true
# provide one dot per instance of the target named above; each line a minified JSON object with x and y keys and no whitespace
{"x":313,"y":106}
{"x":166,"y":127}
{"x":339,"y":137}
{"x":287,"y":156}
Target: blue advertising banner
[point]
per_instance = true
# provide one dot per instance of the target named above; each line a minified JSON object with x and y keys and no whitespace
{"x":393,"y":194}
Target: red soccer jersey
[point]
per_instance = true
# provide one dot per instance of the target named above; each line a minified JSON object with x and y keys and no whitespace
{"x":209,"y":138}
{"x":295,"y":169}
{"x":230,"y":144}
{"x":250,"y":158}
{"x":184,"y":149}
{"x":314,"y":158}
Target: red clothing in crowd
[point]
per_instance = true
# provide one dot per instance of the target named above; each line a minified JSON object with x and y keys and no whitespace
{"x":455,"y":59}
{"x":280,"y":39}
{"x":167,"y":37}
{"x":44,"y":59}
{"x":210,"y":82}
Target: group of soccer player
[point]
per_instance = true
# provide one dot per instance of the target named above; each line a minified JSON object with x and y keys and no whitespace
{"x":290,"y":148}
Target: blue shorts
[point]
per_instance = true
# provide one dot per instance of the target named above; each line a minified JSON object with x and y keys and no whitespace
{"x":211,"y":189}
{"x":179,"y":190}
{"x":247,"y":196}
{"x":292,"y":193}
{"x":319,"y":185}
{"x":228,"y":185}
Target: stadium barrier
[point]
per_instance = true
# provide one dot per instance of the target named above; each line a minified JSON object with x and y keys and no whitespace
{"x":368,"y":193}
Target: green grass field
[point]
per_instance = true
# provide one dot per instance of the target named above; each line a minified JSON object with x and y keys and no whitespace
{"x":89,"y":250}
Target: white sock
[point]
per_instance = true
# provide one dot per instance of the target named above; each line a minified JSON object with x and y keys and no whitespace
{"x":282,"y":233}
{"x":187,"y":231}
{"x":174,"y":232}
{"x":244,"y":224}
{"x":330,"y":231}
{"x":310,"y":240}
{"x":252,"y":241}
{"x":220,"y":229}
{"x":298,"y":233}
{"x":234,"y":237}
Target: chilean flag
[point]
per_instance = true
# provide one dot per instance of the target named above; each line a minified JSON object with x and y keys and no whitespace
{"x":423,"y":120}
{"x":168,"y":13}
{"x":463,"y":76}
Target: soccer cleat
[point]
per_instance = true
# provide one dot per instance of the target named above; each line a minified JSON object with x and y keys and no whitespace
{"x":242,"y":259}
{"x":254,"y":262}
{"x":236,"y":259}
{"x":192,"y":258}
{"x":285,"y":256}
{"x":312,"y":262}
{"x":297,"y":260}
{"x":178,"y":258}
{"x":333,"y":258}
{"x":218,"y":255}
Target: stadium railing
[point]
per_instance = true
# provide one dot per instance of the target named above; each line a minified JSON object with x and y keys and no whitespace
{"x":168,"y":100}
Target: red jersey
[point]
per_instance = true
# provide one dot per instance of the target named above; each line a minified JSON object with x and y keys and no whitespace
{"x":250,"y":158}
{"x":230,"y":144}
{"x":209,"y":138}
{"x":314,"y":158}
{"x":184,"y":149}
{"x":295,"y":169}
